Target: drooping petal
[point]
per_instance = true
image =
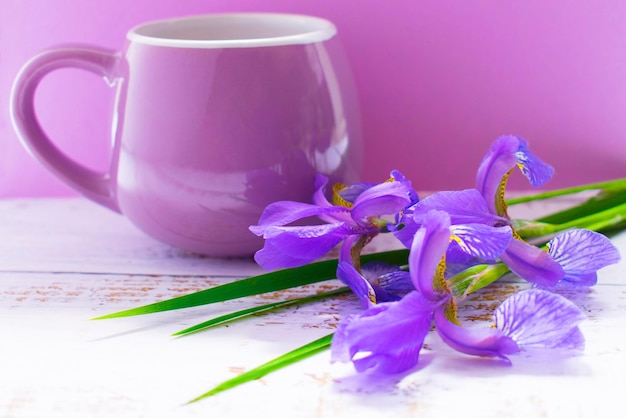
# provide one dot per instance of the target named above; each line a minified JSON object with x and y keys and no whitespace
{"x":540,"y":319}
{"x":536,"y":171}
{"x":387,"y":198}
{"x":532,"y":263}
{"x":505,"y":153}
{"x":400,"y":178}
{"x":385,"y":339}
{"x":429,"y":245}
{"x":362,"y":283}
{"x":484,"y":342}
{"x":293,"y":246}
{"x":285,"y":212}
{"x":482,"y":241}
{"x":582,"y":253}
{"x":347,"y":274}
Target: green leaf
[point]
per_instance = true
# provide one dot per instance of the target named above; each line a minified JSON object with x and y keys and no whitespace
{"x":591,"y":206}
{"x":256,"y":285}
{"x":607,"y":186}
{"x":259,"y":309}
{"x":291,"y":357}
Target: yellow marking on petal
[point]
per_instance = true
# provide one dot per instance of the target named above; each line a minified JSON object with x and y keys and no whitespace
{"x":501,"y":206}
{"x":340,"y":201}
{"x":450,"y":312}
{"x":337,"y":199}
{"x":455,"y":239}
{"x":439,"y":281}
{"x":371,"y":295}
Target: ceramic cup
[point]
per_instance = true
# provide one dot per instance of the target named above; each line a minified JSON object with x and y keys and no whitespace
{"x":216,"y":116}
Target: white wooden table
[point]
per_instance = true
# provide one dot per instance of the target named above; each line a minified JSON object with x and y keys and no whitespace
{"x":64,"y":261}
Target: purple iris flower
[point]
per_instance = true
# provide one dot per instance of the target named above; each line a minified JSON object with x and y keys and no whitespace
{"x":573,"y":257}
{"x":387,"y":338}
{"x":358,"y":211}
{"x":505,"y":154}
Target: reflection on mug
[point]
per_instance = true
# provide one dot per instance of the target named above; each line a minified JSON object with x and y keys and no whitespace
{"x":216,"y":117}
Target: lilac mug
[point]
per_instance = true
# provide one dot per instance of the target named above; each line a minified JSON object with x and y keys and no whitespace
{"x":216,"y":116}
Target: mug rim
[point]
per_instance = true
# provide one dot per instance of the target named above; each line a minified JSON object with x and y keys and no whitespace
{"x":279,"y":29}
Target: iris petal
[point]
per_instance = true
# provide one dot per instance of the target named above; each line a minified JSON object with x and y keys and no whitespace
{"x":400,"y":178}
{"x":581,"y":253}
{"x":319,"y":199}
{"x":293,"y":246}
{"x":540,"y":319}
{"x":382,"y":199}
{"x":485,"y":342}
{"x":285,"y":212}
{"x":482,"y":241}
{"x":363,"y":283}
{"x":536,"y":171}
{"x":351,"y":192}
{"x":384,"y":339}
{"x":497,"y":162}
{"x":465,"y":206}
{"x":387,"y":280}
{"x":406,"y":228}
{"x":357,"y":283}
{"x":397,"y":281}
{"x":505,"y":153}
{"x":430,"y":244}
{"x":532,"y":263}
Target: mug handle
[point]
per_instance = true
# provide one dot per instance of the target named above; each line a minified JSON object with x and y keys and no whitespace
{"x":96,"y":186}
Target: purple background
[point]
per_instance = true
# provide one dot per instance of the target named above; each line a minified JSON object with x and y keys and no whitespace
{"x":437,"y":80}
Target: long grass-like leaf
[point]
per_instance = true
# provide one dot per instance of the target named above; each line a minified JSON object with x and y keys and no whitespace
{"x":291,"y":357}
{"x":256,"y":285}
{"x":594,"y":205}
{"x":259,"y":309}
{"x":607,"y":186}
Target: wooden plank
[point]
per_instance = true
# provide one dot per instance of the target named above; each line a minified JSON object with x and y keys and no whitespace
{"x":75,"y":235}
{"x":56,"y":362}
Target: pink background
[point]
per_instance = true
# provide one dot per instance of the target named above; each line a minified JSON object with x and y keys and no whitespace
{"x":437,"y":80}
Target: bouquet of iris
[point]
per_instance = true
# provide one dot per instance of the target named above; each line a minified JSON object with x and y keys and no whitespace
{"x":454,"y":243}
